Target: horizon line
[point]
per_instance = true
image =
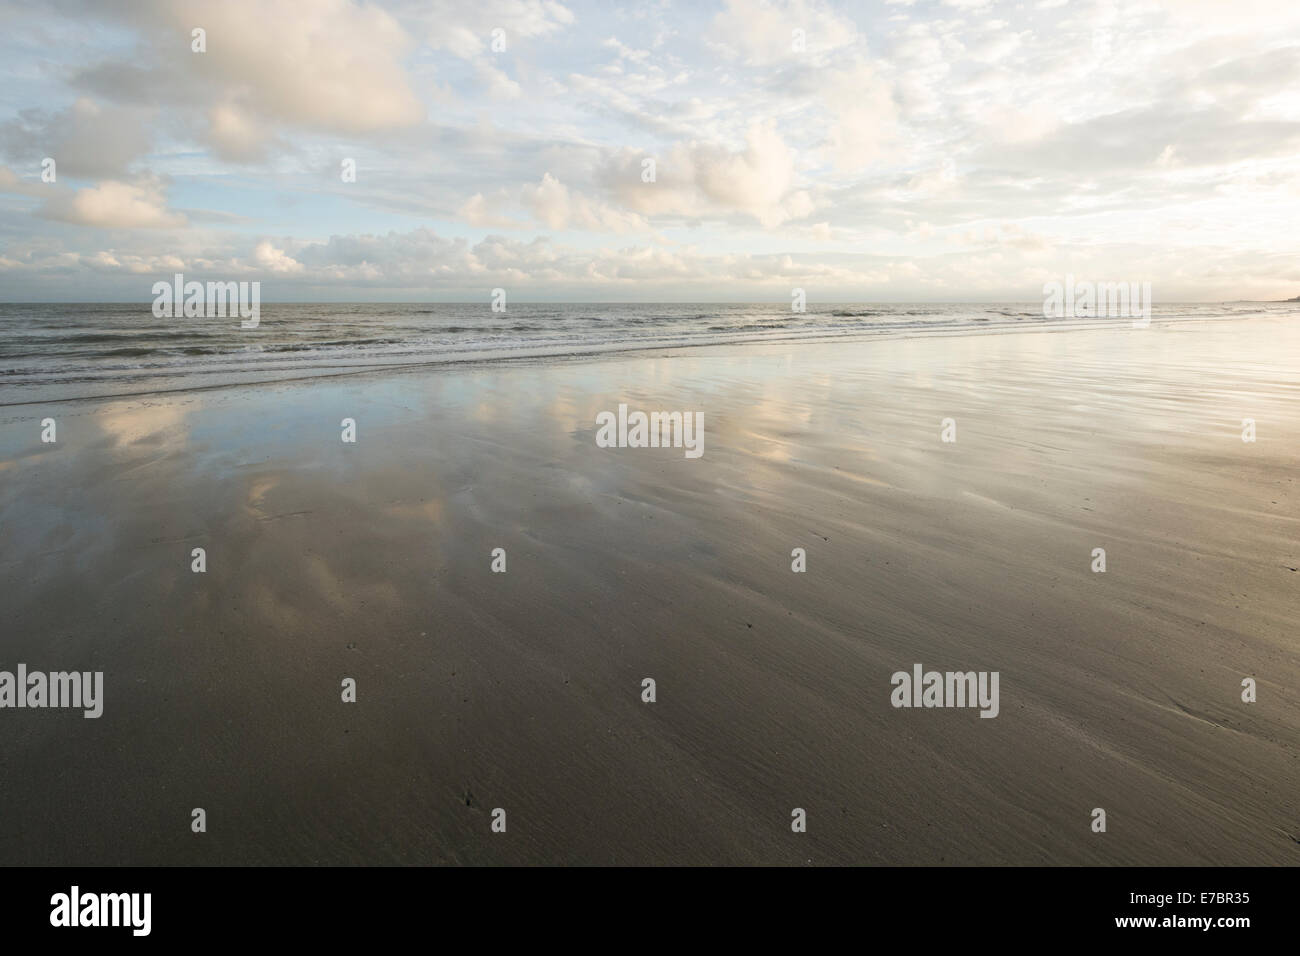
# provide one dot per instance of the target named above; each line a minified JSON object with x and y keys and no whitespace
{"x":992,"y":301}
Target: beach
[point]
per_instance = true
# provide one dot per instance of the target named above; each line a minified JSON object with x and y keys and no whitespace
{"x":477,"y":690}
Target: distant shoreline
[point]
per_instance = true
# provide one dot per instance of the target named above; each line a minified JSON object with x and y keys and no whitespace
{"x":237,"y":369}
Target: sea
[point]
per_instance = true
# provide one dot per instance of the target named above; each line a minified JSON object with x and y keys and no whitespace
{"x":68,"y":351}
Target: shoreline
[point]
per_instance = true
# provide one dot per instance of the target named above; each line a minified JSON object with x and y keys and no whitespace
{"x":522,"y":690}
{"x":543,"y":355}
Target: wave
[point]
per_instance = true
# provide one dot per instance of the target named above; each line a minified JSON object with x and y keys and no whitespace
{"x":123,"y":347}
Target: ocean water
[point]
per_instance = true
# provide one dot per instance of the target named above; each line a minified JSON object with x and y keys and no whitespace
{"x":68,"y":351}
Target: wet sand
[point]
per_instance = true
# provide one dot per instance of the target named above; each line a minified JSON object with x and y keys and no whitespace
{"x":522,"y":690}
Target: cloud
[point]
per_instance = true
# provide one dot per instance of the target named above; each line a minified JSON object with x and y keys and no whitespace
{"x":553,"y":204}
{"x":997,"y":262}
{"x":10,"y":182}
{"x":235,"y":135}
{"x":109,"y":260}
{"x":88,"y":139}
{"x":465,"y":30}
{"x":864,"y":116}
{"x":549,"y":203}
{"x":700,"y":179}
{"x":271,"y":259}
{"x":324,"y":65}
{"x":900,"y":131}
{"x":480,"y":212}
{"x":496,"y":83}
{"x":113,"y":204}
{"x":763,"y":31}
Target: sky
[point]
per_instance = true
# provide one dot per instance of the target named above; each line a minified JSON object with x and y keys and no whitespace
{"x":914,"y":150}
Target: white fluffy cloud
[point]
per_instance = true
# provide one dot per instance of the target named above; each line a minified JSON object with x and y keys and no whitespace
{"x":936,"y":141}
{"x":554,"y":205}
{"x":115,"y":205}
{"x":703,"y":179}
{"x":267,"y":257}
{"x":329,"y":65}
